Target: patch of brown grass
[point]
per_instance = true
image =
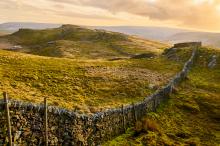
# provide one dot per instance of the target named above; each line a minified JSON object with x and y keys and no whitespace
{"x":149,"y":124}
{"x":146,"y":125}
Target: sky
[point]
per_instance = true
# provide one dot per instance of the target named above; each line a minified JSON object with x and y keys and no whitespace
{"x":191,"y":14}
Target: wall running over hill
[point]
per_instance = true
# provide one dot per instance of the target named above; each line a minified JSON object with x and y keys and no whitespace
{"x":69,"y":128}
{"x":188,"y":44}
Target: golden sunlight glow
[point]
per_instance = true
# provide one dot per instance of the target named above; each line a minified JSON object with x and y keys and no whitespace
{"x":203,"y":1}
{"x":172,"y":13}
{"x":218,"y":8}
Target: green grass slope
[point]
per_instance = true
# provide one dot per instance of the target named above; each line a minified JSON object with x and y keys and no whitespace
{"x":190,"y":116}
{"x":78,"y":42}
{"x":83,"y":85}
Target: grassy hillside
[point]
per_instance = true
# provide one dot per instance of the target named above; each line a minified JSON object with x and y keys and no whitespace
{"x":77,"y":42}
{"x":80,"y":69}
{"x":163,"y":34}
{"x":77,"y":70}
{"x":84,"y":85}
{"x":190,"y":116}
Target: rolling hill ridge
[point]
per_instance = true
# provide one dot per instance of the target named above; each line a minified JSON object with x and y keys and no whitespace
{"x":164,"y":34}
{"x":76,"y":42}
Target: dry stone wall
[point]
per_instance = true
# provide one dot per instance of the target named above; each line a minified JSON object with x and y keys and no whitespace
{"x":68,"y":128}
{"x":188,"y":44}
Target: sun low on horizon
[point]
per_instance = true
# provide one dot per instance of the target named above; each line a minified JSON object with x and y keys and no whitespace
{"x":192,"y":14}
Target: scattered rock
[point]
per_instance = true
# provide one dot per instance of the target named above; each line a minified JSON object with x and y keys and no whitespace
{"x":152,"y":87}
{"x":51,"y":42}
{"x":213,"y":62}
{"x":17,"y":47}
{"x":183,"y":135}
{"x":117,"y":58}
{"x":144,"y":55}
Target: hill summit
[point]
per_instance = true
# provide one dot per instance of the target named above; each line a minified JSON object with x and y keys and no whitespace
{"x":73,"y":41}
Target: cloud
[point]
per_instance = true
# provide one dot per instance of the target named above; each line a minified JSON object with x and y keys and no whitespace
{"x":189,"y":13}
{"x":198,"y":14}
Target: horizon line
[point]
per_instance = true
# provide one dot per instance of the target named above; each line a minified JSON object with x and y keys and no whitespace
{"x":169,"y":27}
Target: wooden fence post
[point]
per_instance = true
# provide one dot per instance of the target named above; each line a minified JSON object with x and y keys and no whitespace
{"x":135,"y":115}
{"x":8,"y":117}
{"x":45,"y":122}
{"x":123,"y":117}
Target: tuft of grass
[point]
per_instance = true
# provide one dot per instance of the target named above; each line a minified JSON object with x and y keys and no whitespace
{"x":146,"y":125}
{"x":151,"y":125}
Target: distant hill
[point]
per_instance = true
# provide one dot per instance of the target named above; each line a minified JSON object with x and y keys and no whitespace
{"x":78,"y":42}
{"x":15,"y":26}
{"x":164,"y":34}
{"x":156,"y":33}
{"x":2,"y":33}
{"x":212,"y":39}
{"x":172,"y":35}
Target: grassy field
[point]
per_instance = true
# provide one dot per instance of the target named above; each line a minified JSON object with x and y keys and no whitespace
{"x":83,"y":85}
{"x":189,"y":117}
